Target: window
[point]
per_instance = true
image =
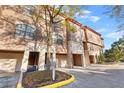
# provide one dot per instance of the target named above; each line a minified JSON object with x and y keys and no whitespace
{"x":28,"y":9}
{"x":25,"y":31}
{"x":58,"y":27}
{"x":91,"y":48}
{"x":57,"y":39}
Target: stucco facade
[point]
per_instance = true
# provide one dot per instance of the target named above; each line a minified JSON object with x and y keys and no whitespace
{"x":85,"y":44}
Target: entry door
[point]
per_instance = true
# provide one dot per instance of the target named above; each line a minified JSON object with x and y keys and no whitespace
{"x":33,"y":58}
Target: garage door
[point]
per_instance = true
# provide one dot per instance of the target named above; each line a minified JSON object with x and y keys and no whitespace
{"x":61,"y":60}
{"x":10,"y":61}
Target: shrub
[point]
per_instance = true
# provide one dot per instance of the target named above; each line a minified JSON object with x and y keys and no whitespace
{"x":101,"y":58}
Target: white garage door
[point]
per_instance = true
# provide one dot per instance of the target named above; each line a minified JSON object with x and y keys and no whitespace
{"x":61,"y":60}
{"x":10,"y":61}
{"x":8,"y":65}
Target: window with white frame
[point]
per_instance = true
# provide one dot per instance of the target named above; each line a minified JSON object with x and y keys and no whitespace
{"x":57,"y":39}
{"x":25,"y":31}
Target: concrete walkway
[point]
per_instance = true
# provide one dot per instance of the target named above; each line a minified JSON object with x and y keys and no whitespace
{"x":9,"y":80}
{"x":98,"y":76}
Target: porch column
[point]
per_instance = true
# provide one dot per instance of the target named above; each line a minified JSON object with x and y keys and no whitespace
{"x":86,"y":54}
{"x":54,"y":55}
{"x":54,"y":58}
{"x":95,"y":61}
{"x":83,"y":60}
{"x":84,"y":57}
{"x":25,"y":61}
{"x":41,"y":63}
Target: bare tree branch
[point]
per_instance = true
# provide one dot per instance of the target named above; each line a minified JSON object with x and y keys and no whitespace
{"x":58,"y":11}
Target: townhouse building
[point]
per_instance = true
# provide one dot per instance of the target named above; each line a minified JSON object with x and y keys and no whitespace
{"x":17,"y":46}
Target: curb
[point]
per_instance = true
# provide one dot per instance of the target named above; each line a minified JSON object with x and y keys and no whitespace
{"x":113,"y":65}
{"x":19,"y":85}
{"x":55,"y":85}
{"x":61,"y":83}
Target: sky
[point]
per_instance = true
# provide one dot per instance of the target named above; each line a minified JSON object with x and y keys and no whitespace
{"x":95,"y":17}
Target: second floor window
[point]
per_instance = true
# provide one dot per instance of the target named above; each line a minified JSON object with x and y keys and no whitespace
{"x":25,"y":31}
{"x":57,"y":39}
{"x":91,"y":48}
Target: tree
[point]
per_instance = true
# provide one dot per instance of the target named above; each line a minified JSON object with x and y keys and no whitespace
{"x":53,"y":12}
{"x":117,"y":12}
{"x":108,"y":56}
{"x":70,"y":12}
{"x":101,"y":58}
{"x":116,"y":52}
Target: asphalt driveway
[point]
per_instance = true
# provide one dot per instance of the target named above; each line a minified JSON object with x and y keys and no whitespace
{"x":98,"y":76}
{"x":95,"y":76}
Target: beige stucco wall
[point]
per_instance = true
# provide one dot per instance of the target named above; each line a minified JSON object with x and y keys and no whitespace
{"x":10,"y":61}
{"x":10,"y":16}
{"x":93,"y":37}
{"x":7,"y":29}
{"x":77,"y":37}
{"x":9,"y":42}
{"x":94,"y":49}
{"x":76,"y":48}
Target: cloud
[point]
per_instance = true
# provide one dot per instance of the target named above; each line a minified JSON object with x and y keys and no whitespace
{"x":87,"y":12}
{"x":101,"y":30}
{"x":84,"y":14}
{"x":115,"y":35}
{"x":94,"y":18}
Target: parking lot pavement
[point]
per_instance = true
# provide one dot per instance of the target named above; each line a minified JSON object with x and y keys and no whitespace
{"x":9,"y":80}
{"x":98,"y":76}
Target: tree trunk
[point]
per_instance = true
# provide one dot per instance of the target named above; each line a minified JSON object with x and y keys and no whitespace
{"x":69,"y":53}
{"x":48,"y":63}
{"x":53,"y":61}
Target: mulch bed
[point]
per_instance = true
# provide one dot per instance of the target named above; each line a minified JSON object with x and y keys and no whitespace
{"x":42,"y":78}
